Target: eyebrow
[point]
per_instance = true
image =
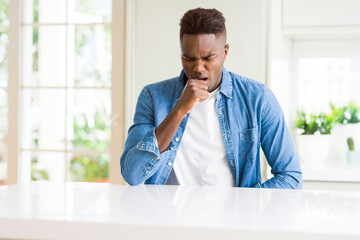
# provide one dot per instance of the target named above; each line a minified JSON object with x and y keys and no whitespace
{"x":210,"y":55}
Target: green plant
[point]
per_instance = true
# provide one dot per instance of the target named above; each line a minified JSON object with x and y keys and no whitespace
{"x":321,"y":123}
{"x":90,"y":132}
{"x":351,"y":144}
{"x":89,"y":168}
{"x":38,"y":173}
{"x":4,"y":8}
{"x":352,"y":112}
{"x":346,"y":114}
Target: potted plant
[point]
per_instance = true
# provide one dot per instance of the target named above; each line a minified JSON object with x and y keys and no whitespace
{"x":351,"y":155}
{"x":346,"y":114}
{"x":313,"y":139}
{"x":347,"y":125}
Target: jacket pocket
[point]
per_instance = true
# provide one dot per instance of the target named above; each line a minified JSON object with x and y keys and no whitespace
{"x":248,"y":144}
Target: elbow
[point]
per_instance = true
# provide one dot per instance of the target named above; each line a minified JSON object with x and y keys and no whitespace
{"x":299,"y":181}
{"x":295,"y":180}
{"x":128,"y":174}
{"x":288,"y":180}
{"x":132,"y":181}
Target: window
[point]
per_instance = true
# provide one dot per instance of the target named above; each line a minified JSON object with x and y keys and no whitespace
{"x":328,"y":82}
{"x":65,"y":90}
{"x":325,"y":80}
{"x":62,"y":101}
{"x":4,"y":40}
{"x":327,"y":71}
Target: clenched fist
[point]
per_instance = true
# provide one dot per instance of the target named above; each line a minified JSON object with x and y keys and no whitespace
{"x":195,"y":91}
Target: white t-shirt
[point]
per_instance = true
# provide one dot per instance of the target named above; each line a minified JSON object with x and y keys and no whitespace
{"x":201,"y":157}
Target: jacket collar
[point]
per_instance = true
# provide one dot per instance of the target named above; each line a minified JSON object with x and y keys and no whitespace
{"x":225,"y":86}
{"x":180,"y":84}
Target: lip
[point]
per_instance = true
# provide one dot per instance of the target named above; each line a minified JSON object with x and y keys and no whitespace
{"x":201,"y":78}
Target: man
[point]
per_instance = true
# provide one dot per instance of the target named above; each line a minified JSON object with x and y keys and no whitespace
{"x":205,"y":127}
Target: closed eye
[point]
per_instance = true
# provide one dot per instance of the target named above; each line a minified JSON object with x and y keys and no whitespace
{"x":189,"y":59}
{"x":209,"y":58}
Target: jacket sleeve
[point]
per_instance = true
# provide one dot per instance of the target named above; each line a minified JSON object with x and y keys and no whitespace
{"x":141,"y":156}
{"x":278,"y":146}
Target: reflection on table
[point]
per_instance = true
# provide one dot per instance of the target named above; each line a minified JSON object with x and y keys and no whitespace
{"x":45,"y":210}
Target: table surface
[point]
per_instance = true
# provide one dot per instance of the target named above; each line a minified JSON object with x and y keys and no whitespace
{"x":332,"y":171}
{"x":46,"y":210}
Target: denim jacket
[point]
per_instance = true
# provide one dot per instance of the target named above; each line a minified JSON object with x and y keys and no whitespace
{"x":249,"y":116}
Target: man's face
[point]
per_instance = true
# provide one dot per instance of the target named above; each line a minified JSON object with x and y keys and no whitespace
{"x":203,"y":57}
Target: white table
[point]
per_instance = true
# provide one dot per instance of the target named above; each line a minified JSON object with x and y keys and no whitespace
{"x":44,"y":210}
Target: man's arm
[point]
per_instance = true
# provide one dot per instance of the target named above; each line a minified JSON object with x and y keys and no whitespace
{"x":278,"y":146}
{"x":194,"y":91}
{"x":145,"y":143}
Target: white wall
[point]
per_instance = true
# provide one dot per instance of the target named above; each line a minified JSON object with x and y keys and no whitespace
{"x":153,"y":48}
{"x":280,"y":57}
{"x":321,"y":13}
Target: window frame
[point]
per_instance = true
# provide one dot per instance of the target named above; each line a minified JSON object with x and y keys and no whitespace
{"x":117,"y":90}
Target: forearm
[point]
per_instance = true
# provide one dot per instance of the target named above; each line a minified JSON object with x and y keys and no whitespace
{"x":195,"y":91}
{"x":279,"y":148}
{"x":289,"y":180}
{"x":167,"y":129}
{"x":141,"y":158}
{"x":144,"y":144}
{"x":137,"y":166}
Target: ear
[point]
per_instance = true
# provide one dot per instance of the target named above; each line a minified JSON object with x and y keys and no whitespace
{"x":226,"y":50}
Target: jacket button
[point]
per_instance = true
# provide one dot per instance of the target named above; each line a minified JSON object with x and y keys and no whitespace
{"x":177,"y":139}
{"x":169,"y":163}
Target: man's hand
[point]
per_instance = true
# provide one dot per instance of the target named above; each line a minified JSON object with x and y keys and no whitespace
{"x":195,"y":91}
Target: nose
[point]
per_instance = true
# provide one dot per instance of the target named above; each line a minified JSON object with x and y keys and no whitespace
{"x":199,"y":66}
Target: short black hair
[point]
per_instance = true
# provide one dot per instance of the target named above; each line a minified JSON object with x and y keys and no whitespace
{"x":202,"y":21}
